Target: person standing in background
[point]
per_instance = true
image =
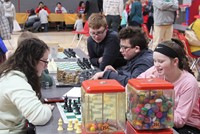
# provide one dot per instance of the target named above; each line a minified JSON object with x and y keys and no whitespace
{"x":164,"y":15}
{"x":4,"y":25}
{"x":113,"y":9}
{"x":78,"y":24}
{"x":10,"y":13}
{"x":136,"y":18}
{"x":100,"y":5}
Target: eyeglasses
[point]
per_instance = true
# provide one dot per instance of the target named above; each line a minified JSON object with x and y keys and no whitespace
{"x":124,"y":48}
{"x":44,"y":61}
{"x":97,"y":33}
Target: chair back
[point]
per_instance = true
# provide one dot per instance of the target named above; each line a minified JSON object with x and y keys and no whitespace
{"x":186,"y":45}
{"x":86,"y":27}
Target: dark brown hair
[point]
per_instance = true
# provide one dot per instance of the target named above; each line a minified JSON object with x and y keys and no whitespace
{"x":178,"y":47}
{"x":135,"y":35}
{"x":25,"y":60}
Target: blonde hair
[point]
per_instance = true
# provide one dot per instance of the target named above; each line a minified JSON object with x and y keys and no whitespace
{"x":26,"y":35}
{"x":97,"y":20}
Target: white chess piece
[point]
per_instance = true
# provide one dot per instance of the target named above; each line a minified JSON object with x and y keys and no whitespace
{"x":75,"y":124}
{"x":60,"y":123}
{"x":78,"y":130}
{"x":70,"y":127}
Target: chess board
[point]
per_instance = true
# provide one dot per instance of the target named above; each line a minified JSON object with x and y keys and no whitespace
{"x":68,"y":66}
{"x":67,"y":116}
{"x":61,"y":55}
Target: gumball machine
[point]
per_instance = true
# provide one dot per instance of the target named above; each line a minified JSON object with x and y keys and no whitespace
{"x":103,"y":107}
{"x":149,"y":106}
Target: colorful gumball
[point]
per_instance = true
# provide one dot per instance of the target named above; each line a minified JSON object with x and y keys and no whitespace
{"x":158,"y":102}
{"x":144,"y":111}
{"x":159,"y":115}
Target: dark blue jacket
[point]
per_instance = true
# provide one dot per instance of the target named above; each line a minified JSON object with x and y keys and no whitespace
{"x":108,"y":48}
{"x":133,"y":68}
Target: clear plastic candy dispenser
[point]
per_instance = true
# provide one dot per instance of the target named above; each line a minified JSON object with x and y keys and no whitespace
{"x":103,"y":107}
{"x":150,"y":104}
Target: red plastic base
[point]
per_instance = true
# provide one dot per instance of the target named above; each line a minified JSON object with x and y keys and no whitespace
{"x":84,"y":132}
{"x":130,"y":130}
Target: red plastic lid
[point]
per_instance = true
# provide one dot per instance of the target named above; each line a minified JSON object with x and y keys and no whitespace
{"x":150,"y":83}
{"x":102,"y":86}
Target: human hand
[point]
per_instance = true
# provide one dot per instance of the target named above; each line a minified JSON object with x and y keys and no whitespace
{"x":50,"y":106}
{"x":100,"y":59}
{"x":109,"y":67}
{"x":152,"y":75}
{"x":97,"y":76}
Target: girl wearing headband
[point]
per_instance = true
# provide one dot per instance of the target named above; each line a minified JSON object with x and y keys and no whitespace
{"x":171,"y":64}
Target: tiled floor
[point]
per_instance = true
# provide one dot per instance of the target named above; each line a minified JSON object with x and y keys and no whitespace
{"x":64,"y":39}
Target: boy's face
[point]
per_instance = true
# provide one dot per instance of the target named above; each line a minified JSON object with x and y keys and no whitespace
{"x":98,"y":34}
{"x":59,"y":6}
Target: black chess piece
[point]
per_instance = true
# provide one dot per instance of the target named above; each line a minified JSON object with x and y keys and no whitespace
{"x":79,"y":101}
{"x":69,"y":109}
{"x":66,"y":53}
{"x":86,"y":63}
{"x":66,"y":103}
{"x":80,"y":64}
{"x":73,"y":54}
{"x":74,"y":103}
{"x":77,"y":110}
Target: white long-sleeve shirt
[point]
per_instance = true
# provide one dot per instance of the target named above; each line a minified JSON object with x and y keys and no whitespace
{"x":43,"y":14}
{"x":18,"y":102}
{"x":113,"y":7}
{"x":9,"y":9}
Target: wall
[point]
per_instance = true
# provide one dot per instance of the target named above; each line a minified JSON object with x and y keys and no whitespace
{"x":70,"y":5}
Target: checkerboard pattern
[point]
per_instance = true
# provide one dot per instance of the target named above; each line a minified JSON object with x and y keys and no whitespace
{"x":61,"y":55}
{"x":69,"y":66}
{"x":67,"y":116}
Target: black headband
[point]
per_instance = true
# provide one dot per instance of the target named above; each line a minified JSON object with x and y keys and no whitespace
{"x":163,"y":49}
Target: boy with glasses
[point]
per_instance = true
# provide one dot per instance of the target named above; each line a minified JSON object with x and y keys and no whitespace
{"x":135,"y":50}
{"x":103,"y":44}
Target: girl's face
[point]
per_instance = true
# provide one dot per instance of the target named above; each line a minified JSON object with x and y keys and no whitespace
{"x":163,"y":64}
{"x":83,"y":5}
{"x":42,"y":64}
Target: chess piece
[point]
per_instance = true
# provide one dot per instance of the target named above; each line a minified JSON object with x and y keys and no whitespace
{"x":77,"y":108}
{"x":66,"y":103}
{"x":78,"y":130}
{"x":75,"y":124}
{"x":70,"y":127}
{"x":69,"y":109}
{"x":60,"y":123}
